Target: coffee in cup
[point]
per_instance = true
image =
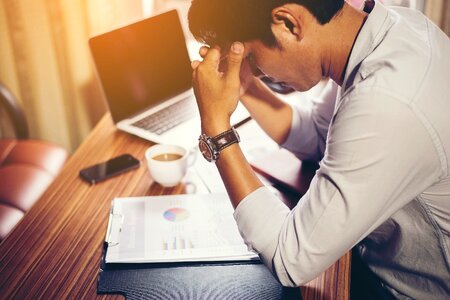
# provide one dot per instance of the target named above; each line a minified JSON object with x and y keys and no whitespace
{"x":167,"y":157}
{"x":168,"y":164}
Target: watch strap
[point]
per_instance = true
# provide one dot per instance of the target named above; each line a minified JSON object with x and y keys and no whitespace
{"x":226,"y":139}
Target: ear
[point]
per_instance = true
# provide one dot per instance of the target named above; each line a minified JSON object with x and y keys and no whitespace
{"x":285,"y":21}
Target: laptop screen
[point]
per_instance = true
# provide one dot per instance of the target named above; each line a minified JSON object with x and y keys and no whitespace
{"x":142,"y":64}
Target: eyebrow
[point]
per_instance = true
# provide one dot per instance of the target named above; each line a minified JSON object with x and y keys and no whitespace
{"x":255,"y":69}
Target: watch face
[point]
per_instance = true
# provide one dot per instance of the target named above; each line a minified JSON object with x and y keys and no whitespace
{"x":205,"y":150}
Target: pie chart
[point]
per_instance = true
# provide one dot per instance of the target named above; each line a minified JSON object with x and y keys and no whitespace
{"x":176,"y":214}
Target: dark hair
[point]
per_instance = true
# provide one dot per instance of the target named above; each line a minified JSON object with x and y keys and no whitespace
{"x":219,"y":22}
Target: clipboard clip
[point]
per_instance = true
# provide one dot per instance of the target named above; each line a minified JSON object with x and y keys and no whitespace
{"x":114,"y":228}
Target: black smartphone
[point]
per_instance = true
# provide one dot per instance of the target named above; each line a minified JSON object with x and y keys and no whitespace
{"x":110,"y":168}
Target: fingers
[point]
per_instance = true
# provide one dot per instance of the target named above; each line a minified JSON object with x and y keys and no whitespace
{"x":203,"y":51}
{"x":195,"y":64}
{"x":212,"y":58}
{"x":223,"y":62}
{"x":234,"y":60}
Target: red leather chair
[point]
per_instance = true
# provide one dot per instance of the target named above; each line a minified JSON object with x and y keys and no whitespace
{"x":27,"y":167}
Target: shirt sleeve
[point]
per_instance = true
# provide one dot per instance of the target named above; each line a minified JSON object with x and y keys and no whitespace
{"x":309,"y":126}
{"x":379,"y":156}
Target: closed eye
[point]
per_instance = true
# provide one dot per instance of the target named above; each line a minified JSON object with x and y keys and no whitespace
{"x":256,"y":71}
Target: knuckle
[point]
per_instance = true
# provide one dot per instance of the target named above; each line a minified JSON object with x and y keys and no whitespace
{"x":234,"y":59}
{"x":201,"y":68}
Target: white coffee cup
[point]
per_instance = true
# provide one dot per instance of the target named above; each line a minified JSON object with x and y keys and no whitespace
{"x":168,"y":164}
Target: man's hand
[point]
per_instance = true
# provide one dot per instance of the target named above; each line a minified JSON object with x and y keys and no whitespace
{"x":246,"y":74}
{"x":217,"y":92}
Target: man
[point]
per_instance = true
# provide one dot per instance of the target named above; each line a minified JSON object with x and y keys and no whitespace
{"x":383,"y":141}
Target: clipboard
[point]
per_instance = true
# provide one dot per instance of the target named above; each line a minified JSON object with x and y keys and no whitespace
{"x":174,"y":228}
{"x":191,"y":280}
{"x":248,"y":279}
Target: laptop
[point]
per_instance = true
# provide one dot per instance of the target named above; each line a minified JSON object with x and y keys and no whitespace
{"x":145,"y":72}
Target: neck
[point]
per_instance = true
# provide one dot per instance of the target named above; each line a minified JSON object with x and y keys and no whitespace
{"x":341,"y":33}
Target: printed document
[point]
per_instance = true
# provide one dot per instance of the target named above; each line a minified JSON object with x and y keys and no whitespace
{"x":174,"y":228}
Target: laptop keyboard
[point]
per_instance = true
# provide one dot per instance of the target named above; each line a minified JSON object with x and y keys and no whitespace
{"x":168,"y":117}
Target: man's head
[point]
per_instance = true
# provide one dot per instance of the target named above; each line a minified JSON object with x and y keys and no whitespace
{"x":282,"y":38}
{"x":219,"y":22}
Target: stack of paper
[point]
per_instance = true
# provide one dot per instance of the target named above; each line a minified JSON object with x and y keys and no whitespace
{"x":173,"y":229}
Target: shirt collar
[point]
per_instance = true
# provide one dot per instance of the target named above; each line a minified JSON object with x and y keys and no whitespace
{"x":369,"y":37}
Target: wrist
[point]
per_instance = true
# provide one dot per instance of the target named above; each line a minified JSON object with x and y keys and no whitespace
{"x":214,"y":128}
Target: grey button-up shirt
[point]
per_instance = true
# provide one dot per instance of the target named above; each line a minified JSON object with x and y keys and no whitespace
{"x":383,"y":182}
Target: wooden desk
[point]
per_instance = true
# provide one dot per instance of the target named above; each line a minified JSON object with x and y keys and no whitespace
{"x":54,"y":252}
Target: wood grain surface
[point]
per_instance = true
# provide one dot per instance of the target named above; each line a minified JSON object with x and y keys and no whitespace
{"x":54,"y":252}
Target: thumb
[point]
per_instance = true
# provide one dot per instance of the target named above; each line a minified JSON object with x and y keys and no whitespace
{"x":234,"y":61}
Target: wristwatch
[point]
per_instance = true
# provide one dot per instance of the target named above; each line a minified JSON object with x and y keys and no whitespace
{"x":210,"y":147}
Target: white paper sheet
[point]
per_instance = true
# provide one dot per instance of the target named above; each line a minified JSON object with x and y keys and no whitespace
{"x":174,"y":228}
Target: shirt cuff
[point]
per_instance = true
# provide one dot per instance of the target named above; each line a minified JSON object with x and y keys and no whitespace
{"x":260,"y":217}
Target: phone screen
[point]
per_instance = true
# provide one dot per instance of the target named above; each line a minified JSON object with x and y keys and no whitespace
{"x":110,"y":168}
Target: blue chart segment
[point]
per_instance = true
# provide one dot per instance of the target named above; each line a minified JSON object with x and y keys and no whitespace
{"x":176,"y":214}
